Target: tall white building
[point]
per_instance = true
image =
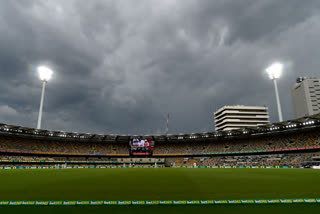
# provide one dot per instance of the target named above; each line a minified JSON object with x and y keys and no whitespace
{"x":240,"y":116}
{"x":306,"y":96}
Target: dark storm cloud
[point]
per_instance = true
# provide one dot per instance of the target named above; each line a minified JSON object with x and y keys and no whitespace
{"x":121,"y":66}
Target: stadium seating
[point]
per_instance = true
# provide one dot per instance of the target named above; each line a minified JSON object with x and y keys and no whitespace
{"x":23,"y":145}
{"x":295,"y":160}
{"x":14,"y":149}
{"x":273,"y":142}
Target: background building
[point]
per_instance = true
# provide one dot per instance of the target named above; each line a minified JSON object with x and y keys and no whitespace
{"x":240,"y":116}
{"x":306,"y":96}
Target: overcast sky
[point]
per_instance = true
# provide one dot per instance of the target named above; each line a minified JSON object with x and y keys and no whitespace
{"x":121,"y":66}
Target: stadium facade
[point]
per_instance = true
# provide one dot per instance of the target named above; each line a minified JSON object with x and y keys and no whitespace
{"x":294,"y":143}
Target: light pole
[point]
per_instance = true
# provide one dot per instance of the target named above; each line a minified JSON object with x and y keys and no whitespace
{"x":44,"y":75}
{"x":274,"y":71}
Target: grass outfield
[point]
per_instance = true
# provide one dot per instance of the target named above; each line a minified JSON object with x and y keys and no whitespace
{"x":158,"y":184}
{"x":225,"y":209}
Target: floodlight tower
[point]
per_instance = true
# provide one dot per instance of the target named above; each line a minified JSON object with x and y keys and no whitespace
{"x":274,"y":71}
{"x":45,"y":74}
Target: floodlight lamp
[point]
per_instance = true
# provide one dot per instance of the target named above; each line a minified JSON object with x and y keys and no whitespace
{"x":45,"y":73}
{"x":274,"y":71}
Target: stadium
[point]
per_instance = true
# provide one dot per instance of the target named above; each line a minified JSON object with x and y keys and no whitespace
{"x":237,"y":80}
{"x":62,"y":168}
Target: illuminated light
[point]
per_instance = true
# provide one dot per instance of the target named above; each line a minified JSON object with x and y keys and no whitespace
{"x":45,"y":73}
{"x":274,"y":71}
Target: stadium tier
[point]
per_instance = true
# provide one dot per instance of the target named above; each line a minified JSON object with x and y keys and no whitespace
{"x":295,"y":160}
{"x":25,"y":145}
{"x":292,"y":143}
{"x":271,"y":143}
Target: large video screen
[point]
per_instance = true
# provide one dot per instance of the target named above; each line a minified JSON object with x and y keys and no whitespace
{"x":141,"y":146}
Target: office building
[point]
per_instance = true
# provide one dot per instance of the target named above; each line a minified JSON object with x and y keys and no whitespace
{"x":306,"y":97}
{"x":240,"y":116}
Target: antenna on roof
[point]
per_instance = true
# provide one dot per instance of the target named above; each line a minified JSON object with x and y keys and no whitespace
{"x":167,"y":128}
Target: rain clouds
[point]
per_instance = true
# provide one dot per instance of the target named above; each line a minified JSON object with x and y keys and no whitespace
{"x":121,"y":66}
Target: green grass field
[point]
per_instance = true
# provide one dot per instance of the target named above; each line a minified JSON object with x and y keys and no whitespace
{"x":182,"y":209}
{"x":159,"y":184}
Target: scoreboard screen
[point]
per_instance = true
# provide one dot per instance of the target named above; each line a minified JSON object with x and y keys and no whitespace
{"x":141,"y":146}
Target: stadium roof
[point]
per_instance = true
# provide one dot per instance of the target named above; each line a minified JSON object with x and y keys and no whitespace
{"x":289,"y":125}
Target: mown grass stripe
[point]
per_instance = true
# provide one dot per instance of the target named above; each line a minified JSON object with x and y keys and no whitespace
{"x":160,"y":202}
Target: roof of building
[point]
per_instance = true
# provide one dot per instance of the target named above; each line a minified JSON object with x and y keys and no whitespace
{"x":289,"y":125}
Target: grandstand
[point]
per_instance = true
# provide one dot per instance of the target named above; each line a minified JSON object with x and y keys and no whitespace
{"x":292,"y":143}
{"x":295,"y":160}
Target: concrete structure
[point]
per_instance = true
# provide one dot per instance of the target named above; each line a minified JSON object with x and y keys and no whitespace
{"x":306,"y":96}
{"x":240,"y":116}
